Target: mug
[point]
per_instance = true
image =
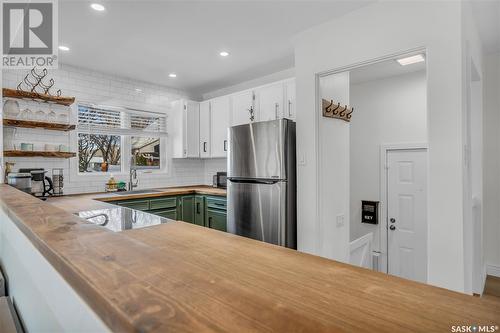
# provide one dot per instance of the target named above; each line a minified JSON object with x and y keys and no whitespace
{"x":27,"y":146}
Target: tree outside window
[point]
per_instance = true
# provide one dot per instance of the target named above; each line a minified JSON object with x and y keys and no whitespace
{"x":99,"y":153}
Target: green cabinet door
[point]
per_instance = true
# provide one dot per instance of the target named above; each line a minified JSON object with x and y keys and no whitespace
{"x":168,"y":213}
{"x":135,"y":204}
{"x":216,"y":219}
{"x":185,"y":209}
{"x":199,"y":210}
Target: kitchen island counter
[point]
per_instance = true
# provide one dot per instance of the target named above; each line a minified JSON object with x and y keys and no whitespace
{"x":181,"y":277}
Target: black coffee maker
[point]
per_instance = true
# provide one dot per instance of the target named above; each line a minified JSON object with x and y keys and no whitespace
{"x":41,"y":185}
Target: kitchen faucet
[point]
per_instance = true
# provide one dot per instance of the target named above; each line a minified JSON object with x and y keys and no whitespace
{"x":133,"y":181}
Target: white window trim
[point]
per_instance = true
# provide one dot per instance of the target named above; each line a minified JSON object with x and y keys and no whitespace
{"x":77,"y":176}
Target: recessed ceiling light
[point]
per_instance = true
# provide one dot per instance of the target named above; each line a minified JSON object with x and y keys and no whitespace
{"x":63,"y":48}
{"x":172,"y":75}
{"x":411,"y":60}
{"x":224,"y":53}
{"x":138,"y":90}
{"x":97,"y":6}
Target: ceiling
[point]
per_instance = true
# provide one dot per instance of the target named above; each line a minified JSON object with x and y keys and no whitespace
{"x":487,"y":17}
{"x":382,"y":70}
{"x":147,"y":40}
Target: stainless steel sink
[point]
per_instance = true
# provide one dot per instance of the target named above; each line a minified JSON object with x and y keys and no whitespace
{"x":137,"y":192}
{"x":122,"y":218}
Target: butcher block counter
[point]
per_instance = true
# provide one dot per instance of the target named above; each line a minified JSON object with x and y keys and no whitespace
{"x":91,"y":201}
{"x":182,"y":277}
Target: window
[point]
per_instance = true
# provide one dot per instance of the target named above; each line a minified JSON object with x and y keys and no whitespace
{"x":146,"y":152}
{"x":109,"y":135}
{"x":99,"y":153}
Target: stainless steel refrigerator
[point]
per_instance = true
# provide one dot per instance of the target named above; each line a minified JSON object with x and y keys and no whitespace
{"x":261,"y":178}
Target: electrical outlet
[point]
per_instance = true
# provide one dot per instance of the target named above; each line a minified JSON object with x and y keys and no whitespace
{"x":340,"y":220}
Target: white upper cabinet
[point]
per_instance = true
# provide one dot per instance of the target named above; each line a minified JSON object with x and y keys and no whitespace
{"x":289,"y":110}
{"x":270,"y":102}
{"x":200,"y":129}
{"x":205,"y":126}
{"x":192,"y":129}
{"x":184,"y":129}
{"x":243,"y":108}
{"x":220,"y":109}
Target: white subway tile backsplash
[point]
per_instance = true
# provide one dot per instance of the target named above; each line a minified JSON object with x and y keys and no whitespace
{"x":91,"y":86}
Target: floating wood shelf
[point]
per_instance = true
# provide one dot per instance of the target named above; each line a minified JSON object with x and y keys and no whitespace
{"x":38,"y":124}
{"x":32,"y":95}
{"x":51,"y":154}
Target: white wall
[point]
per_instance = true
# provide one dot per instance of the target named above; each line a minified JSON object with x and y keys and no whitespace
{"x":333,"y":161}
{"x":273,"y":77}
{"x":387,"y":111}
{"x":95,"y":87}
{"x":472,"y":145}
{"x":491,"y":175}
{"x":373,"y":32}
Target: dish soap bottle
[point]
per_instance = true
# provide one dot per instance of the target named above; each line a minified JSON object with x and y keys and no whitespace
{"x":111,"y":185}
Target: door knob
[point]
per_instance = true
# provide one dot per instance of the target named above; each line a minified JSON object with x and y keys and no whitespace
{"x":392,"y":227}
{"x":393,"y":220}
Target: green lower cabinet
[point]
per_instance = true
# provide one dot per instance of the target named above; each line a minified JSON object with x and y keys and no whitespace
{"x":135,"y":204}
{"x":216,"y":219}
{"x":203,"y":210}
{"x":169,"y":213}
{"x":199,"y":210}
{"x":185,"y":208}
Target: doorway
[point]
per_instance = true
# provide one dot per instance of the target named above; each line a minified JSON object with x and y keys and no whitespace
{"x":406,"y":222}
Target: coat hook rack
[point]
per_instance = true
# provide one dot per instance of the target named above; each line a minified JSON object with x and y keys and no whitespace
{"x":334,"y":110}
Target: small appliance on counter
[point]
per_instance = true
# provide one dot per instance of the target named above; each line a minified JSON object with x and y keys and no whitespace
{"x":58,"y":181}
{"x":21,"y":181}
{"x":220,"y":180}
{"x":41,"y":185}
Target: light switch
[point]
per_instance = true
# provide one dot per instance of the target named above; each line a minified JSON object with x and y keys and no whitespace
{"x":302,"y":159}
{"x":340,"y":220}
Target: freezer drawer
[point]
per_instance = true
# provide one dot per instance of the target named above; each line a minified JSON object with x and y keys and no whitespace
{"x":261,"y":211}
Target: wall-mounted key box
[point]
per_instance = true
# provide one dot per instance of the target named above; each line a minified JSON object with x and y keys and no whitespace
{"x":369,"y":212}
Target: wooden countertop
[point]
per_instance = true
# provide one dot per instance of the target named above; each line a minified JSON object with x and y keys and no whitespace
{"x":81,"y":202}
{"x":182,"y":277}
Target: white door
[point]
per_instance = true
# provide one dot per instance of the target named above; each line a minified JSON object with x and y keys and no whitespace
{"x":270,"y":102}
{"x":407,"y":213}
{"x":243,"y":109}
{"x":205,"y":129}
{"x":220,"y":123}
{"x":289,"y":107}
{"x":192,"y":129}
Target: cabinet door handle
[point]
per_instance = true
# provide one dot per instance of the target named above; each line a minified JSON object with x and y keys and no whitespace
{"x":289,"y":108}
{"x":198,"y":208}
{"x":225,"y":145}
{"x":204,"y":146}
{"x":276,"y":107}
{"x":209,"y":221}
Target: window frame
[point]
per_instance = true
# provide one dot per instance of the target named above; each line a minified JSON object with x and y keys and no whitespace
{"x":125,"y":158}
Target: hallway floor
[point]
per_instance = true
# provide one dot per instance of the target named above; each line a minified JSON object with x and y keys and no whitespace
{"x":492,"y":288}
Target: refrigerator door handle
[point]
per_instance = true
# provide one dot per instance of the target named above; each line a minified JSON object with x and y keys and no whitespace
{"x":255,"y":181}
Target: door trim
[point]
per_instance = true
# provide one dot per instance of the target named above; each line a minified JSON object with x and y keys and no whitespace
{"x":383,"y":225}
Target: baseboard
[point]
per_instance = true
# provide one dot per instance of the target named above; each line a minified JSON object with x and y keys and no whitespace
{"x":493,"y":270}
